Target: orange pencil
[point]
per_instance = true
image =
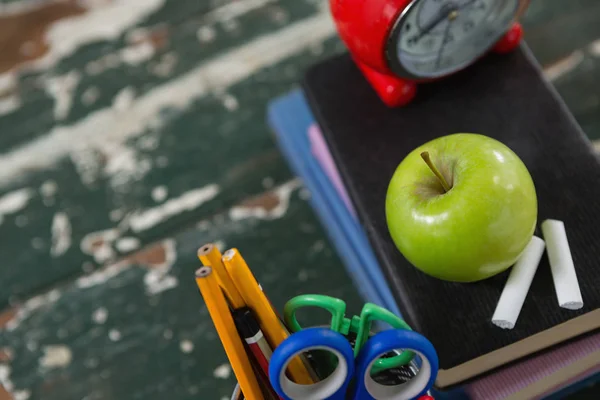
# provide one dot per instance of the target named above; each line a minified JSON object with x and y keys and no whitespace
{"x":272,"y":327}
{"x":223,"y":321}
{"x":210,"y":255}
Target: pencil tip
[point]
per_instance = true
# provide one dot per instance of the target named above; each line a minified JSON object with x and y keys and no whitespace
{"x":203,"y":272}
{"x":205,"y":249}
{"x":229,"y":254}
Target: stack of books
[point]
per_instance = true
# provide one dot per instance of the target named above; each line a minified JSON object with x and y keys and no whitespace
{"x":345,"y":145}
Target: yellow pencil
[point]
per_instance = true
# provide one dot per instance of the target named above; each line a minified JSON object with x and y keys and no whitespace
{"x":221,"y":316}
{"x":210,"y":255}
{"x":253,"y":296}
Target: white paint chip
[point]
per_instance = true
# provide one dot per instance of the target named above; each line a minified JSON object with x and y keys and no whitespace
{"x":90,"y":95}
{"x":138,"y":53}
{"x":57,"y":356}
{"x":114,"y":335}
{"x":61,"y":234}
{"x":564,"y":66}
{"x":62,"y":89}
{"x":206,"y":34}
{"x":160,"y":193}
{"x":165,"y":66}
{"x":146,"y":219}
{"x":186,"y":346}
{"x":594,"y":48}
{"x":21,"y":394}
{"x":222,"y":371}
{"x":230,"y":102}
{"x":99,"y":244}
{"x":49,"y":189}
{"x":157,"y":279}
{"x":283,"y":194}
{"x":124,"y":99}
{"x":15,"y":201}
{"x":127,"y":244}
{"x":100,"y":315}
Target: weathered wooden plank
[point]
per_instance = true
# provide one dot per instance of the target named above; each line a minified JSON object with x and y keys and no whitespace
{"x":139,"y":329}
{"x":130,"y":176}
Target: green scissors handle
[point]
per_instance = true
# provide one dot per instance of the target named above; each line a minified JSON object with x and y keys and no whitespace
{"x":360,"y":325}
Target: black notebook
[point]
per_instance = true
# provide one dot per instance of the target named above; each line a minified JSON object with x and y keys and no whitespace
{"x":504,"y":97}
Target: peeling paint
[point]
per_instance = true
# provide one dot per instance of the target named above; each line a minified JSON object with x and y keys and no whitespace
{"x":48,"y":189}
{"x":186,"y":346}
{"x":57,"y":356}
{"x":123,"y":100}
{"x":594,"y":48}
{"x":14,"y":201}
{"x":222,"y":371}
{"x":230,"y":102}
{"x":114,"y":335}
{"x":21,"y":395}
{"x":127,"y":244}
{"x":157,"y":279}
{"x":137,"y":54}
{"x":100,"y":315}
{"x":188,"y":201}
{"x":62,"y":88}
{"x":104,"y":129}
{"x":24,"y":311}
{"x":99,"y":244}
{"x":206,"y":34}
{"x":160,"y":193}
{"x":270,"y":205}
{"x":101,"y":276}
{"x":9,"y":95}
{"x":235,"y":9}
{"x":564,"y":66}
{"x":61,"y":234}
{"x":5,"y":378}
{"x":90,"y":95}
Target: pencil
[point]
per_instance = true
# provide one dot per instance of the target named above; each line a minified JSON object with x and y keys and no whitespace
{"x":254,"y":297}
{"x":210,"y":255}
{"x":223,"y":321}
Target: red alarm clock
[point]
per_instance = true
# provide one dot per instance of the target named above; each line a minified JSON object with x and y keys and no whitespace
{"x":398,"y":44}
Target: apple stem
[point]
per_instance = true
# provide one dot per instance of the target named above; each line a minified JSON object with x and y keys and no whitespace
{"x":436,"y":172}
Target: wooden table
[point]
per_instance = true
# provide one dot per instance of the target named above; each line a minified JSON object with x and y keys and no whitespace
{"x":131,"y":133}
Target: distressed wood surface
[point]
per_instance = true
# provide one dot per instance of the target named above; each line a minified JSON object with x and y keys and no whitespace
{"x":132,"y":132}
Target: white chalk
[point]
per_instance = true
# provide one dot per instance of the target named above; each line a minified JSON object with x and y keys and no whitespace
{"x":518,"y":283}
{"x":561,"y":264}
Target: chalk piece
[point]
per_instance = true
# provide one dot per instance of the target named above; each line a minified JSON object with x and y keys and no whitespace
{"x":518,"y":283}
{"x":561,"y":264}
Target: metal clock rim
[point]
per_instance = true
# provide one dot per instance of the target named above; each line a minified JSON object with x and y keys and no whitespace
{"x":391,"y":55}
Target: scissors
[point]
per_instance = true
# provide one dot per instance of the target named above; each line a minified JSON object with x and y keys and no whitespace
{"x":360,"y":325}
{"x":337,"y":385}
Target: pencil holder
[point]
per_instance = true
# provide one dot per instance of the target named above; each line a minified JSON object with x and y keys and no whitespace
{"x":321,"y":363}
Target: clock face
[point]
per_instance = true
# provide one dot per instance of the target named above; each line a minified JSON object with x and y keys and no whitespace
{"x":433,"y":38}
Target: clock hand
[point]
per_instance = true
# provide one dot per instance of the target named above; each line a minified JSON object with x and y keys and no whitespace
{"x":446,"y":32}
{"x":435,"y":22}
{"x":447,"y":12}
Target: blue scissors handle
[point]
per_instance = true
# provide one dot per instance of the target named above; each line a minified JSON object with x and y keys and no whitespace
{"x":367,"y":388}
{"x":334,"y":386}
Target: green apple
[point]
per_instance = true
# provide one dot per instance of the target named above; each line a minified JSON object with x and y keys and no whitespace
{"x":461,"y":207}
